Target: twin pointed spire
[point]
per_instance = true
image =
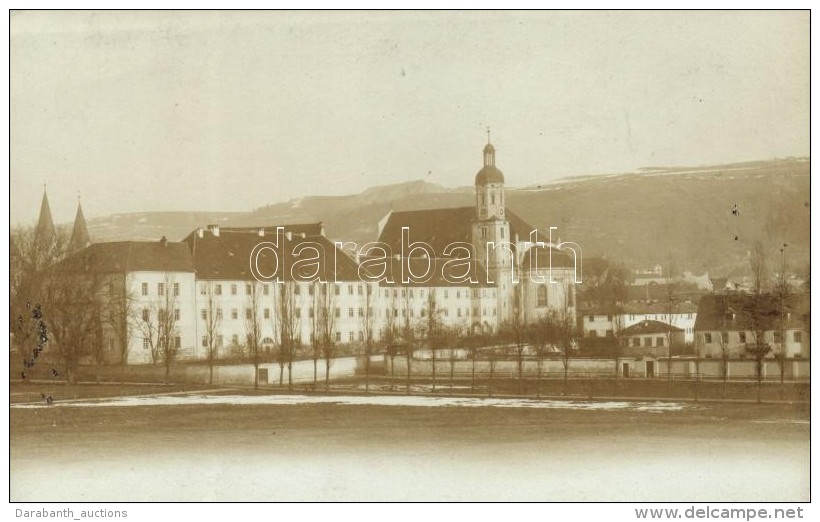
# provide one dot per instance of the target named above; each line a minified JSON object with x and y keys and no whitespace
{"x":45,"y":234}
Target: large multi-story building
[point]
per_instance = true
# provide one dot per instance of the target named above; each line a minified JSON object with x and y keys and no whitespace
{"x":474,"y":268}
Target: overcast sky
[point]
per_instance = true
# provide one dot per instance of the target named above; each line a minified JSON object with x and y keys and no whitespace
{"x":150,"y":111}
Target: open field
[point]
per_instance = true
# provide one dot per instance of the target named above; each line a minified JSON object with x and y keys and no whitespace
{"x":198,"y":447}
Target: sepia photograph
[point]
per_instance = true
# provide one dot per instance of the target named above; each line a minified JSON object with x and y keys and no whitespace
{"x":409,"y":256}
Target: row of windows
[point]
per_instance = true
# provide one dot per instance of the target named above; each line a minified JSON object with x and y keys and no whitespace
{"x":647,"y":341}
{"x":742,"y":337}
{"x":160,"y":289}
{"x":146,"y":314}
{"x":146,"y":342}
{"x":656,"y":317}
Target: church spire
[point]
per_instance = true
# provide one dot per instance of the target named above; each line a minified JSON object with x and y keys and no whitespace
{"x":79,"y":236}
{"x":45,"y":234}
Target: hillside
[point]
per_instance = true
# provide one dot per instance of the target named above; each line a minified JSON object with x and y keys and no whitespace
{"x":642,"y":218}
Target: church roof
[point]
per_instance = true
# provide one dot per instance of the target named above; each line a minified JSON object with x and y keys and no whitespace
{"x":45,"y":234}
{"x":79,"y":236}
{"x":489,"y":174}
{"x":129,"y":256}
{"x":441,"y":227}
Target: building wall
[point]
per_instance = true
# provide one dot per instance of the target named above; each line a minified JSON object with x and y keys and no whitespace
{"x":797,"y":343}
{"x":151,"y":301}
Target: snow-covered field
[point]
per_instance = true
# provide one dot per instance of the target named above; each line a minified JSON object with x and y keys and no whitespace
{"x":366,"y":400}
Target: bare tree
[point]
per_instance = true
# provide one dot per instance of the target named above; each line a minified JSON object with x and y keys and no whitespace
{"x":167,"y":317}
{"x":564,"y":328}
{"x":390,"y":335}
{"x":121,"y":315}
{"x":757,"y":314}
{"x":253,"y":328}
{"x":783,"y":293}
{"x":367,"y":319}
{"x":408,"y":339}
{"x":315,"y":293}
{"x":432,"y":326}
{"x":327,"y":326}
{"x":69,"y":309}
{"x":540,"y":334}
{"x":213,"y":321}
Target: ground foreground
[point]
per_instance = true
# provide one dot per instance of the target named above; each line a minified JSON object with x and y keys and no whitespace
{"x":225,"y":445}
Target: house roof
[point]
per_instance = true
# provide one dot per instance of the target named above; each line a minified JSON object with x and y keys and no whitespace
{"x":741,"y":311}
{"x":441,"y":227}
{"x":649,"y":327}
{"x":125,"y":256}
{"x":228,"y":255}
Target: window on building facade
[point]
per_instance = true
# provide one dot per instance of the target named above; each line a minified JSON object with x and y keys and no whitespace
{"x":146,"y":344}
{"x":338,"y":336}
{"x":350,"y":312}
{"x":177,"y":342}
{"x":219,"y":313}
{"x":541,"y":296}
{"x":248,"y":313}
{"x":659,"y":341}
{"x":298,"y":312}
{"x":144,"y":288}
{"x":160,"y":288}
{"x":778,"y":337}
{"x":266,"y":313}
{"x":297,"y":289}
{"x":636,"y":342}
{"x":336,"y":289}
{"x":203,"y":289}
{"x":591,"y":319}
{"x":218,"y":289}
{"x":724,"y":337}
{"x":741,"y":336}
{"x":233,"y":289}
{"x":337,"y":312}
{"x":204,"y":314}
{"x":176,"y":314}
{"x":247,"y":289}
{"x":204,"y":341}
{"x":235,"y":339}
{"x":707,"y":337}
{"x":350,"y":336}
{"x":219,"y":341}
{"x":265,"y":289}
{"x":234,"y":313}
{"x":310,"y":312}
{"x":176,"y":289}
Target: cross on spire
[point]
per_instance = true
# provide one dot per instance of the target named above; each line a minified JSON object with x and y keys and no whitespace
{"x":488,"y":134}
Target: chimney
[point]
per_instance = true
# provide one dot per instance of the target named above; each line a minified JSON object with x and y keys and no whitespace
{"x":163,"y":241}
{"x":289,"y":235}
{"x":261,"y":232}
{"x":200,"y":232}
{"x":321,"y":228}
{"x":214,"y":229}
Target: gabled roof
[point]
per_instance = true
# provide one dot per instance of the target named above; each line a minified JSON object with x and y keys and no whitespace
{"x":740,"y":311}
{"x":228,"y":255}
{"x":128,"y":256}
{"x":649,"y":327}
{"x":441,"y":227}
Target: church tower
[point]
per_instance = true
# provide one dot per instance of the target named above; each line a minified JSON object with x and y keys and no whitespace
{"x":490,"y":224}
{"x":45,"y":234}
{"x":79,"y":236}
